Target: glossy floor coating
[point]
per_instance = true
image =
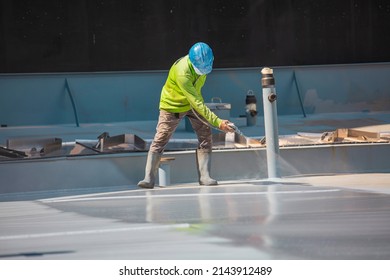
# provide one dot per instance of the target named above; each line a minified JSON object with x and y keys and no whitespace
{"x":296,"y":218}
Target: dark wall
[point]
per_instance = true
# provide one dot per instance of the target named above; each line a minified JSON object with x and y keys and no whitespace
{"x":106,"y":35}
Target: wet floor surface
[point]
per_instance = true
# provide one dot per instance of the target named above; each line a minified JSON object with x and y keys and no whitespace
{"x":236,"y":220}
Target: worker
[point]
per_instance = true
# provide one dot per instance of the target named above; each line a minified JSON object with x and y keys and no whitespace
{"x":181,"y":96}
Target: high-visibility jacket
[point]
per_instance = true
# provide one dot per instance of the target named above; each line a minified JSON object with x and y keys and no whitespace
{"x":182,"y":90}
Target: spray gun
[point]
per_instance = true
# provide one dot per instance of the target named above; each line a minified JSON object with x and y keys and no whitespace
{"x":235,"y":128}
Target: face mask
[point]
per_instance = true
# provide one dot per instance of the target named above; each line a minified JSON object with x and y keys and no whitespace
{"x":197,"y":71}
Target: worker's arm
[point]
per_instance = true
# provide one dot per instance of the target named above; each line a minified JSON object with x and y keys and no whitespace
{"x":195,"y":98}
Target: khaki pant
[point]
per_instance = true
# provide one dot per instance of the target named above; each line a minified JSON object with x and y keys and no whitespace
{"x":167,"y":124}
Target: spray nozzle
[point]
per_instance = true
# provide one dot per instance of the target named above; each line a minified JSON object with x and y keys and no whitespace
{"x":235,"y":128}
{"x":232,"y":126}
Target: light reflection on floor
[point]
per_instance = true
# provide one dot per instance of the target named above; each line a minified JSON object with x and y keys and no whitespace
{"x":237,"y":220}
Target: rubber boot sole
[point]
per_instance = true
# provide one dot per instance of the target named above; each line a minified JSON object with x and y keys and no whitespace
{"x":145,"y":185}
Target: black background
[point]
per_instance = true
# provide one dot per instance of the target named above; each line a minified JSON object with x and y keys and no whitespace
{"x":117,"y":35}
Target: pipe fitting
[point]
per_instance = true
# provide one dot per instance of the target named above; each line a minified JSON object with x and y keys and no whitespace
{"x":267,"y":79}
{"x":272,"y":97}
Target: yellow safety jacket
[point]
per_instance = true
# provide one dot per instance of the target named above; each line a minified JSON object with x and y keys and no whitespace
{"x":182,"y":90}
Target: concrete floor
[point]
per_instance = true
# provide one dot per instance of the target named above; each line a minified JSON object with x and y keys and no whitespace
{"x":319,"y":217}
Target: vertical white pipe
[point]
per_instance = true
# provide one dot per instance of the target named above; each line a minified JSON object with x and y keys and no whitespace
{"x":270,"y":122}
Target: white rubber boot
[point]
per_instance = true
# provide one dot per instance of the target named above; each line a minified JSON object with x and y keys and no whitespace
{"x":152,"y":164}
{"x":203,"y":160}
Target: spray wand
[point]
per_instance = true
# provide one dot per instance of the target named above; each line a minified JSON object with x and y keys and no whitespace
{"x":235,"y":128}
{"x":230,"y":124}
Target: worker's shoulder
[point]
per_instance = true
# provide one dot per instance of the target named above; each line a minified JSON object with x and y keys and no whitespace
{"x":182,"y":64}
{"x":182,"y":70}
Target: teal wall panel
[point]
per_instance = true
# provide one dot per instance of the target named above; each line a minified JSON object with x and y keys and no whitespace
{"x":42,"y":99}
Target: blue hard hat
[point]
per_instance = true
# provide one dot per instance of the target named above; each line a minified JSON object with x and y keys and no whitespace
{"x":201,"y":57}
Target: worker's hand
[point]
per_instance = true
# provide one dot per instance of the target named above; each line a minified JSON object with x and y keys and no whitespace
{"x":225,"y":126}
